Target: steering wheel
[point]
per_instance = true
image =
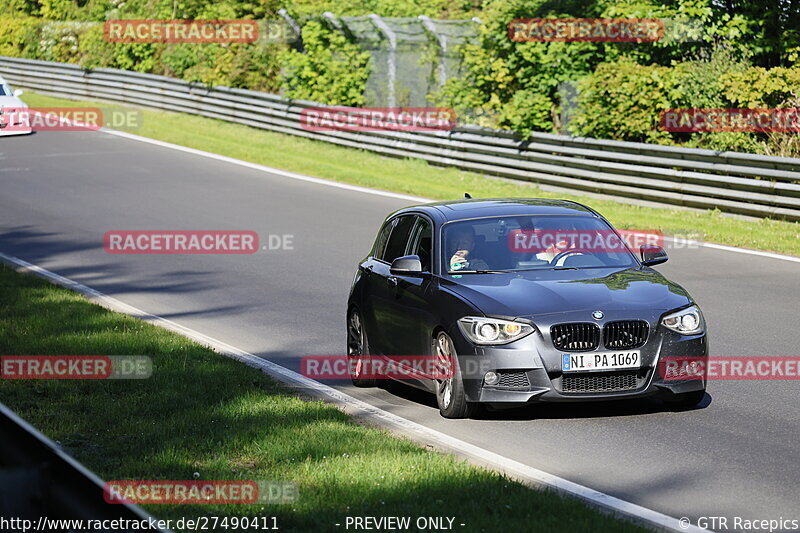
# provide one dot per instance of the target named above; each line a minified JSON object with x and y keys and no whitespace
{"x":560,"y":255}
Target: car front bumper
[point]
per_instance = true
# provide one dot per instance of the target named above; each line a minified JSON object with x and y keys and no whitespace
{"x":530,"y":368}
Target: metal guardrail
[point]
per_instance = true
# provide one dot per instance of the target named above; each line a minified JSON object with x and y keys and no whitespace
{"x":37,"y":479}
{"x":748,"y":184}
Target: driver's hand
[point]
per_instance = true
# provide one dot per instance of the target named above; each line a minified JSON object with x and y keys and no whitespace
{"x":459,"y":260}
{"x":550,"y":253}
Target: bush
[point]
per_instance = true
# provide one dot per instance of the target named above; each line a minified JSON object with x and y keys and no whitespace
{"x":17,"y":34}
{"x":249,"y":66}
{"x":759,"y":87}
{"x":623,"y":87}
{"x":59,"y":41}
{"x":623,"y":100}
{"x":94,"y":50}
{"x":506,"y":83}
{"x":331,"y":70}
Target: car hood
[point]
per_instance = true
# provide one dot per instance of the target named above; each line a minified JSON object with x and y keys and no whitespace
{"x":526,"y":294}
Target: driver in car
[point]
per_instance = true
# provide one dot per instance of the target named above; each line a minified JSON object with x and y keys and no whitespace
{"x":553,"y":229}
{"x":462,"y":244}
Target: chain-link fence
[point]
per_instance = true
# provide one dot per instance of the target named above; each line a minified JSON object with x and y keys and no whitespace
{"x":411,"y":56}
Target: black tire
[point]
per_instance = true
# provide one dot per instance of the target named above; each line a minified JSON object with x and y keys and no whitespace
{"x":450,"y":395}
{"x":685,"y":400}
{"x":358,"y":350}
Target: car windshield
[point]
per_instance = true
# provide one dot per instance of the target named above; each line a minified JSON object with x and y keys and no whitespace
{"x":5,"y":90}
{"x":532,"y":242}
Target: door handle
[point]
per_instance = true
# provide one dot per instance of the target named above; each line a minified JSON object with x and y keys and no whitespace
{"x":392,"y":281}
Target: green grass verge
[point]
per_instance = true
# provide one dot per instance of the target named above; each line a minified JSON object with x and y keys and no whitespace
{"x":416,"y":177}
{"x":202,"y":412}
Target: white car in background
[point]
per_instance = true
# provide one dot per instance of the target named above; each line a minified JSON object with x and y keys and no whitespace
{"x":13,"y":120}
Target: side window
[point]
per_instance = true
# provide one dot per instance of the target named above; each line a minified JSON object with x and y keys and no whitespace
{"x":422,"y":243}
{"x":396,"y":247}
{"x":383,"y":236}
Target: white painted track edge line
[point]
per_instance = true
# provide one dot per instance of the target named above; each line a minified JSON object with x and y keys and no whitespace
{"x":388,"y":194}
{"x":524,"y":473}
{"x":265,"y":168}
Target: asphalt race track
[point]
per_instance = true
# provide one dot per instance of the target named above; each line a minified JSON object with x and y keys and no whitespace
{"x":737,"y":455}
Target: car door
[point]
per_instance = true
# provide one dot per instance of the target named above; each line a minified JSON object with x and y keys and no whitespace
{"x":383,"y":284}
{"x":408,"y":306}
{"x":372,"y":284}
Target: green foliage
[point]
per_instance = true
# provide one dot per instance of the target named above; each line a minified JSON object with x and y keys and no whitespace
{"x":58,"y":41}
{"x":16,"y":34}
{"x":623,"y":100}
{"x":759,"y":87}
{"x":513,"y":85}
{"x":331,"y":69}
{"x":19,"y":7}
{"x":94,"y":50}
{"x":714,"y":54}
{"x":253,"y":67}
{"x":58,"y":9}
{"x":506,"y":83}
{"x":98,"y":10}
{"x":444,"y":9}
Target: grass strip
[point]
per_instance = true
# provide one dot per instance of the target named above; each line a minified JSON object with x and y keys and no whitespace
{"x":417,"y":177}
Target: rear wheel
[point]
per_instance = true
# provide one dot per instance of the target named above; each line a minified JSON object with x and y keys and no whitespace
{"x":686,"y":400}
{"x":450,"y":390}
{"x":358,"y":351}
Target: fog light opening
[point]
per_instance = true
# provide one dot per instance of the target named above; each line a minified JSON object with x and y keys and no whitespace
{"x":491,"y":378}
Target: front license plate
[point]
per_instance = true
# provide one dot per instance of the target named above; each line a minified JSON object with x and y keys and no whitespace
{"x":587,"y":362}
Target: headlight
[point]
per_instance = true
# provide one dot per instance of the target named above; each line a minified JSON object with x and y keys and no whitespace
{"x":687,"y":321}
{"x":492,"y":330}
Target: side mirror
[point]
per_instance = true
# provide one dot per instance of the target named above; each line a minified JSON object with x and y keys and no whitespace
{"x":18,"y":92}
{"x":408,"y":265}
{"x":653,"y":255}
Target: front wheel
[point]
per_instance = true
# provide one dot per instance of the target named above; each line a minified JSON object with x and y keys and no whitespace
{"x":358,"y":352}
{"x":450,"y":389}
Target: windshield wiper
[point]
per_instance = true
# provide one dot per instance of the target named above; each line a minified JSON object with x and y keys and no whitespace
{"x":457,"y":272}
{"x":543,"y":269}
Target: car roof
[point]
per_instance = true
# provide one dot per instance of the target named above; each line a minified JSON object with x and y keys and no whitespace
{"x":487,"y":207}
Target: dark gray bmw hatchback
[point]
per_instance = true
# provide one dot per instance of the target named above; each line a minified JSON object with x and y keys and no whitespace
{"x":521,"y":300}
